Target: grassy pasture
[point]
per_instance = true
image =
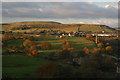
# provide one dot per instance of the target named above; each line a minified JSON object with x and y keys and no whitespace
{"x":67,"y":29}
{"x":58,"y":26}
{"x":77,"y":42}
{"x":17,"y":66}
{"x":95,"y":28}
{"x":16,"y":42}
{"x":90,"y":28}
{"x":20,"y":65}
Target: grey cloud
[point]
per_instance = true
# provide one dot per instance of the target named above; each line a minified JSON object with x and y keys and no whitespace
{"x":56,"y":10}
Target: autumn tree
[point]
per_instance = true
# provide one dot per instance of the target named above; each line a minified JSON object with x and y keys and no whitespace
{"x":107,"y":44}
{"x":29,"y":47}
{"x":46,"y":45}
{"x":47,"y":70}
{"x":86,"y":50}
{"x":28,"y":43}
{"x":34,"y":52}
{"x":68,"y":46}
{"x":100,"y":45}
{"x":108,"y":49}
{"x":95,"y":51}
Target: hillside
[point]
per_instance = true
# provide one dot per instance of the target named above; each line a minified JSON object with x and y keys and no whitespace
{"x":32,"y":22}
{"x":96,"y":28}
{"x":50,"y":25}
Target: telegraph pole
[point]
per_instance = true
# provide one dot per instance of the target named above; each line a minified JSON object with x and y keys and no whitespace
{"x":96,"y":38}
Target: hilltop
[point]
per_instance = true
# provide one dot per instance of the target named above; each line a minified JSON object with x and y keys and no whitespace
{"x":51,"y":25}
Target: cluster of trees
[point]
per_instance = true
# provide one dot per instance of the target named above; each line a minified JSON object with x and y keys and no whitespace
{"x":101,"y":48}
{"x":108,"y":45}
{"x":96,"y":66}
{"x":7,"y":37}
{"x":29,"y":47}
{"x":114,"y":42}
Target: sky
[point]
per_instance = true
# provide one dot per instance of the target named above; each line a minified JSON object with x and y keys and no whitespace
{"x":89,"y":12}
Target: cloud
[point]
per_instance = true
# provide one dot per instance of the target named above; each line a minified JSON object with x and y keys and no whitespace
{"x":40,"y":9}
{"x":66,"y":12}
{"x":110,"y":7}
{"x":59,"y":0}
{"x":57,"y":10}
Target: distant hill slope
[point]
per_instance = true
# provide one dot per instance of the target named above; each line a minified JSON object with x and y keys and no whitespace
{"x":32,"y":22}
{"x":96,"y":28}
{"x":50,"y":25}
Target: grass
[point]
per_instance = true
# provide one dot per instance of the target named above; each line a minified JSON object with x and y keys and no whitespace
{"x":59,"y":26}
{"x":95,"y":28}
{"x":71,"y":29}
{"x":16,"y":42}
{"x":81,"y":42}
{"x":90,"y":28}
{"x":21,"y":65}
{"x":76,"y":42}
{"x":67,"y":29}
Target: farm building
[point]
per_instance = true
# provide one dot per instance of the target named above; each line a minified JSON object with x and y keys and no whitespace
{"x":107,"y":35}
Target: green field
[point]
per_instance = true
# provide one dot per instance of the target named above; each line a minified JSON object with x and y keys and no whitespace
{"x":35,"y":26}
{"x":96,"y":28}
{"x":77,"y":42}
{"x":21,"y":66}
